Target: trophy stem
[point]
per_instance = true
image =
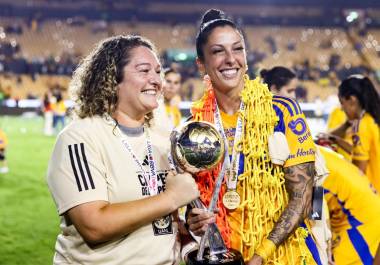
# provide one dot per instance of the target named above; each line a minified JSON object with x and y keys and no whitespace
{"x":211,"y":208}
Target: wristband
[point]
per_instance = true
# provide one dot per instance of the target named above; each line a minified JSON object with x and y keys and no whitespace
{"x":266,"y":249}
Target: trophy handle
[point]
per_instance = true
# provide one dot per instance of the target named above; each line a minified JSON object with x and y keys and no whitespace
{"x":197,"y":204}
{"x":215,"y":240}
{"x":214,"y":234}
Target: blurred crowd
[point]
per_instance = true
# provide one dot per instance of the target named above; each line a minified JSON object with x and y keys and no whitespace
{"x":17,"y":56}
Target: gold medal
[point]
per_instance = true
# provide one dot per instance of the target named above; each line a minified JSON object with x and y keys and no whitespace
{"x":231,"y":199}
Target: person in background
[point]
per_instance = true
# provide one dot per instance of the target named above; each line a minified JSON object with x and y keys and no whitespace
{"x":281,"y":81}
{"x":109,"y":173}
{"x":172,"y":84}
{"x":336,"y":118}
{"x":3,"y":148}
{"x":59,"y":112}
{"x":361,"y":103}
{"x":354,"y":212}
{"x":48,"y":114}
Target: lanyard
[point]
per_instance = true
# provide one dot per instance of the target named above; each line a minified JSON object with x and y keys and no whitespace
{"x":233,"y":170}
{"x":151,"y":176}
{"x":171,"y":163}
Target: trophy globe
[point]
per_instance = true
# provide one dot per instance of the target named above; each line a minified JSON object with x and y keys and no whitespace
{"x":197,"y":146}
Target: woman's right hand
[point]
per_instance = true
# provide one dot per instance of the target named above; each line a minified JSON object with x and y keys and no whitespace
{"x":181,"y":189}
{"x":198,"y":220}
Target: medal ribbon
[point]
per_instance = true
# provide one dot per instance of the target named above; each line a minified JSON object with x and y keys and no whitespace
{"x":151,"y":176}
{"x":235,"y":158}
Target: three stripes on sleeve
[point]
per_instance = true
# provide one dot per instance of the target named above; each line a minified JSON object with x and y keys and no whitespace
{"x":80,"y":167}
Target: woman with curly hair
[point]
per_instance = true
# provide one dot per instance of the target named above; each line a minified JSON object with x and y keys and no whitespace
{"x":109,"y":172}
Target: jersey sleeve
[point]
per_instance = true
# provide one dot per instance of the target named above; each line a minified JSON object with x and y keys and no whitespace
{"x":76,"y":173}
{"x":336,"y":118}
{"x":292,"y":123}
{"x":361,"y":140}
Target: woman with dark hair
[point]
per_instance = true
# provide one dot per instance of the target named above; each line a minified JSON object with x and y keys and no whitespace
{"x":274,"y":193}
{"x":361,"y":103}
{"x":109,"y":172}
{"x":281,"y":81}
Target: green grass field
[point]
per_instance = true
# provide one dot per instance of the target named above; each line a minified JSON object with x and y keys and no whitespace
{"x":28,"y":218}
{"x":29,"y":223}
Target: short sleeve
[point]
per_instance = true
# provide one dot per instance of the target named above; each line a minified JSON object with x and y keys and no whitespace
{"x":361,"y":140}
{"x":292,"y":123}
{"x":76,"y":173}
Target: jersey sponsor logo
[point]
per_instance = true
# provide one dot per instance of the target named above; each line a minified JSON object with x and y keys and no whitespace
{"x":303,"y":138}
{"x":298,"y":126}
{"x":161,"y":179}
{"x":301,"y":153}
{"x":80,"y":167}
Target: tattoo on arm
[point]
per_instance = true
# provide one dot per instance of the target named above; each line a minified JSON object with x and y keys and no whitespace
{"x":299,"y":185}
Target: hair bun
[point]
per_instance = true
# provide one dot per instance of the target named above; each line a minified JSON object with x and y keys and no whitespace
{"x":212,"y":14}
{"x":263,"y":73}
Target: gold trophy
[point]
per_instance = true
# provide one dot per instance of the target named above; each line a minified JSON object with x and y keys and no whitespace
{"x":197,"y":146}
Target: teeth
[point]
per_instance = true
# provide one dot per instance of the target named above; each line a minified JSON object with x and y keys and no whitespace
{"x":229,"y":72}
{"x":150,"y":92}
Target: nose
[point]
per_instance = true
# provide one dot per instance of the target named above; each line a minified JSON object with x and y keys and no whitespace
{"x":156,"y":80}
{"x":230,"y":58}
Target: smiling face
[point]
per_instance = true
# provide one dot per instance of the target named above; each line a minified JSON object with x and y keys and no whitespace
{"x":224,"y":59}
{"x":141,"y":85}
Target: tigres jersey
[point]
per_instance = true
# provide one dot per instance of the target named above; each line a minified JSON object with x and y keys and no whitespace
{"x":59,"y":108}
{"x":173,"y":114}
{"x":3,"y":140}
{"x":366,"y":142}
{"x":338,"y":117}
{"x":354,"y":211}
{"x":293,"y":124}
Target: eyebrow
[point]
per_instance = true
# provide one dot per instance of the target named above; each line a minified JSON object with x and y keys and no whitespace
{"x":142,"y":64}
{"x":237,"y":42}
{"x":148,"y":64}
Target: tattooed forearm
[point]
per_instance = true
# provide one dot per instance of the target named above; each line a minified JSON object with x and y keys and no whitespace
{"x":299,"y":185}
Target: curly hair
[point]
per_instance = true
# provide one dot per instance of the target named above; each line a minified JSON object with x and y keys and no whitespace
{"x":94,"y":83}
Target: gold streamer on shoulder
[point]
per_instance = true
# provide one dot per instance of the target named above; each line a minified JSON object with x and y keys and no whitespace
{"x":262,"y":185}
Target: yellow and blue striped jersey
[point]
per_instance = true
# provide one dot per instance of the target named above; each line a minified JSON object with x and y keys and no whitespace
{"x":293,"y":124}
{"x":354,"y":211}
{"x":366,"y":142}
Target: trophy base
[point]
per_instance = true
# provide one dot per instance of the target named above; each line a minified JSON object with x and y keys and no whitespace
{"x":231,"y":257}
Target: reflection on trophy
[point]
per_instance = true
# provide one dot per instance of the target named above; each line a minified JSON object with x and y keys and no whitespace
{"x":195,"y":147}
